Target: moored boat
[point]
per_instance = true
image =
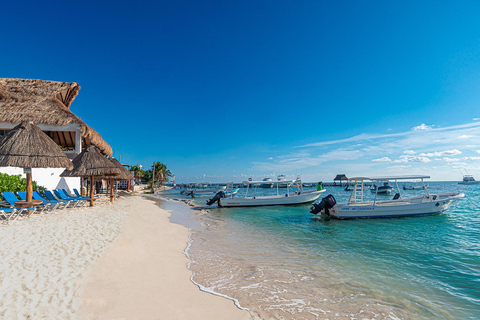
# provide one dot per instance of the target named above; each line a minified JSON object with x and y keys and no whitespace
{"x":356,"y":207}
{"x":468,"y":179}
{"x":289,"y":198}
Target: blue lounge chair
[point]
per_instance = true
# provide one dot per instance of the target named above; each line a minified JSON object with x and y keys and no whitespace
{"x":55,"y":203}
{"x":74,"y":196}
{"x":51,"y":197}
{"x":8,"y":213}
{"x":42,"y":206}
{"x":79,"y":195}
{"x":11,"y":198}
{"x":61,"y":195}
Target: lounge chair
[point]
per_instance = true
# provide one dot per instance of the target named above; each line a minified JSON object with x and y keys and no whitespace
{"x":55,"y":203}
{"x":79,"y":195}
{"x":42,"y":206}
{"x":8,"y":213}
{"x":74,"y":196}
{"x":61,"y":195}
{"x":11,"y":198}
{"x":51,"y":197}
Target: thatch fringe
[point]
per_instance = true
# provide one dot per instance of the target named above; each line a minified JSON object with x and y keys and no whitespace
{"x":124,"y":173}
{"x":44,"y":102}
{"x":26,"y":146}
{"x":91,"y":162}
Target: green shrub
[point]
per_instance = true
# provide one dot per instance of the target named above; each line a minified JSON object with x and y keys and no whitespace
{"x":14,"y":183}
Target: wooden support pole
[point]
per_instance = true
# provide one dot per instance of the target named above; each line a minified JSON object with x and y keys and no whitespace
{"x":92,"y":181}
{"x":29,"y":186}
{"x":111,"y":190}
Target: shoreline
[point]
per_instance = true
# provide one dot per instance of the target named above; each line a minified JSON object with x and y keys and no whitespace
{"x":144,"y":274}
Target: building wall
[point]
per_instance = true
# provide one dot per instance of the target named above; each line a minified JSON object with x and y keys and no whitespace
{"x":47,"y":177}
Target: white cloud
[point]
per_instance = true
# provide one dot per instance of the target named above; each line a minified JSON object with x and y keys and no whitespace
{"x":476,"y":119}
{"x":409,"y":158}
{"x":465,"y":136}
{"x":452,"y":152}
{"x":409,"y":152}
{"x":446,"y":159}
{"x":271,"y":158}
{"x":382,"y":159}
{"x":471,"y":158}
{"x":478,"y":151}
{"x":422,"y":127}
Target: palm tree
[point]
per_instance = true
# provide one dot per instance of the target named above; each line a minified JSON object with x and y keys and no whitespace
{"x":161,"y":173}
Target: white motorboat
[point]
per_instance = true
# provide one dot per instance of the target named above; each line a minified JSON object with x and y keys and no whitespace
{"x":267,"y":183}
{"x":297,"y":197}
{"x":410,"y":186}
{"x":468,"y":179}
{"x":383,"y":189}
{"x":211,"y":193}
{"x":356,"y":207}
{"x":282,"y":181}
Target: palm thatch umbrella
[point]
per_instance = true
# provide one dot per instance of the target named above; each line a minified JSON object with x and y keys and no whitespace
{"x":91,"y":163}
{"x":124,"y":175}
{"x":27,"y":146}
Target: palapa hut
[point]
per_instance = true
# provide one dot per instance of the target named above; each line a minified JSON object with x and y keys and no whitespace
{"x":340,"y":178}
{"x":26,"y":146}
{"x":124,"y":175}
{"x":47,"y":104}
{"x":91,"y":163}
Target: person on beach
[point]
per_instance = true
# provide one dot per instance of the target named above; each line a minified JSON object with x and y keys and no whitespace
{"x":319,"y":186}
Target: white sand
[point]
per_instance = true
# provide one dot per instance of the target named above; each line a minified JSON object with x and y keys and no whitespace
{"x":143,"y":275}
{"x":44,"y":259}
{"x":66,"y":265}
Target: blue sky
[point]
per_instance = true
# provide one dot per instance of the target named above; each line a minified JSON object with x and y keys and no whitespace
{"x":226,"y":90}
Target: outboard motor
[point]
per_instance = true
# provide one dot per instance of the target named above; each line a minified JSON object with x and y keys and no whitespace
{"x":190,"y":193}
{"x":216,"y":198}
{"x":327,"y":203}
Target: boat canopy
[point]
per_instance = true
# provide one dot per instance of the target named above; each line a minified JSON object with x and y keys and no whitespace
{"x":270,"y":182}
{"x":406,"y":177}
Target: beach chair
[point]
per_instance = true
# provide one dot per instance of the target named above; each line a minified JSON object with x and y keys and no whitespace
{"x":55,"y":203}
{"x":42,"y":206}
{"x":61,"y":195}
{"x":79,"y":195}
{"x":74,"y":196}
{"x":11,"y":198}
{"x":8,"y":213}
{"x":51,"y":197}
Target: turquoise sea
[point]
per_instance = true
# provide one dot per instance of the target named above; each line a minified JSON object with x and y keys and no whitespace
{"x":279,"y":263}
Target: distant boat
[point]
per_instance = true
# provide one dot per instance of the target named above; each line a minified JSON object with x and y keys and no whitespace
{"x":288,"y":198}
{"x":384,"y":189}
{"x":410,"y":186}
{"x":267,"y":185}
{"x":468,"y":179}
{"x":282,"y":181}
{"x":397,"y":207}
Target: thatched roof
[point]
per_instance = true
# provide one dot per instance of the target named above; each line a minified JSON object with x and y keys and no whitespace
{"x":340,"y":177}
{"x":26,"y":146}
{"x":44,"y":102}
{"x":91,"y":162}
{"x":125,"y":174}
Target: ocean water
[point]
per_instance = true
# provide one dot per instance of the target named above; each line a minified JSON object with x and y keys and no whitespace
{"x":280,"y":263}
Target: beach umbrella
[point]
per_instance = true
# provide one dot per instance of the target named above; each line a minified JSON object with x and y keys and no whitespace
{"x":124,"y":175}
{"x":27,"y":146}
{"x":91,"y":163}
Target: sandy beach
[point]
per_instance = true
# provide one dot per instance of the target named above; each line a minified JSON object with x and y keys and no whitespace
{"x":114,"y":261}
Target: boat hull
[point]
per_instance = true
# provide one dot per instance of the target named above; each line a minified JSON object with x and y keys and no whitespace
{"x":200,"y":193}
{"x":469,"y":182}
{"x":414,"y":206}
{"x":303,"y":197}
